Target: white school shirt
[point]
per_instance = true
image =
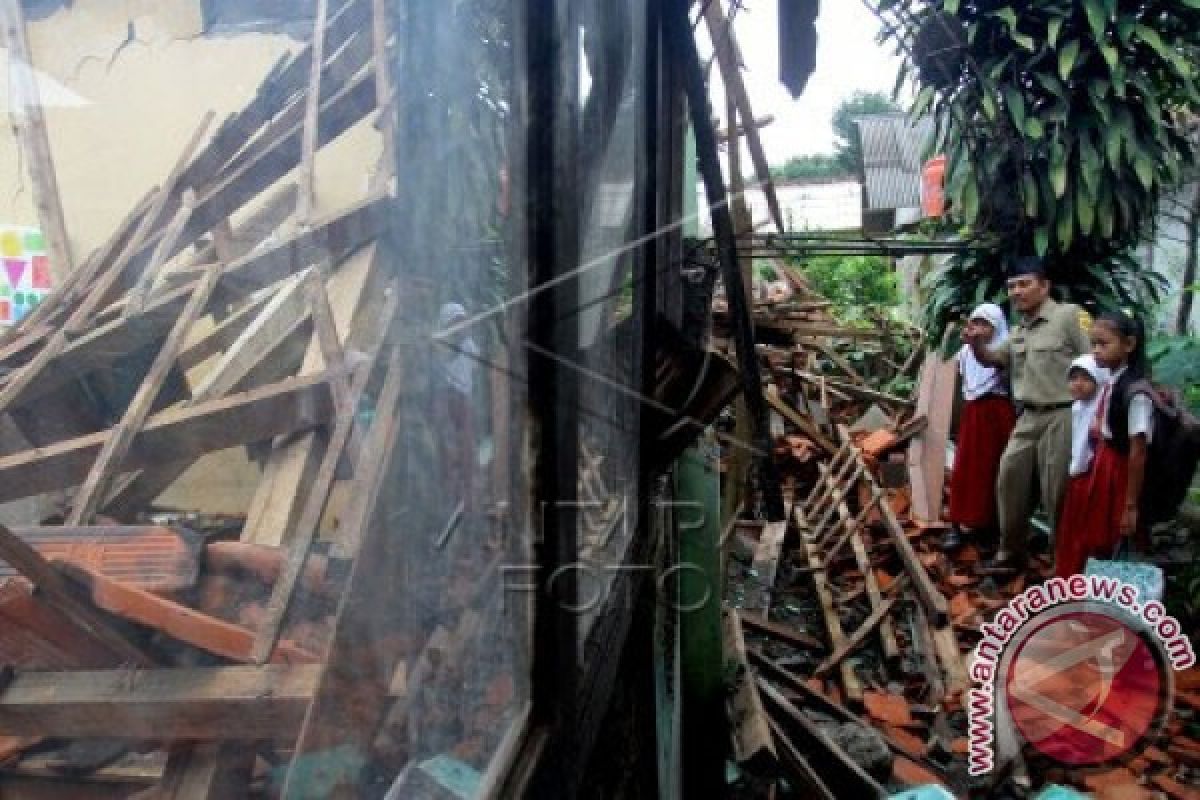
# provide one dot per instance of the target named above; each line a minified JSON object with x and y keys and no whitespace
{"x":1082,"y":414}
{"x":1141,"y":412}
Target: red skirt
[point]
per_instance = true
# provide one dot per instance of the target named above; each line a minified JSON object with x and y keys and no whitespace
{"x":1089,"y":524}
{"x":983,"y":432}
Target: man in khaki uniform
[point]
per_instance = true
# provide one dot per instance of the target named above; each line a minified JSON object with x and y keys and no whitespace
{"x":1037,"y":355}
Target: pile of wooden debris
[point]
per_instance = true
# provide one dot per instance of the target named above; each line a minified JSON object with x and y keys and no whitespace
{"x":851,"y":628}
{"x":150,"y":652}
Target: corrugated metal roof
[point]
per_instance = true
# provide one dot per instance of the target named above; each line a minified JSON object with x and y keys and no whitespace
{"x":893,"y":153}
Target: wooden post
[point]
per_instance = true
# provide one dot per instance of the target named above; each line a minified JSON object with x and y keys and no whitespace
{"x":29,"y":124}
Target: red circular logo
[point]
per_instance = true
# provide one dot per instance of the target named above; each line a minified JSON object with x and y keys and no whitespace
{"x":1084,"y":688}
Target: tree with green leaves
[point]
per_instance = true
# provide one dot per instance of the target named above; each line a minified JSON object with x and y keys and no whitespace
{"x":1063,"y":122}
{"x":819,"y":167}
{"x":848,"y":145}
{"x":846,"y":160}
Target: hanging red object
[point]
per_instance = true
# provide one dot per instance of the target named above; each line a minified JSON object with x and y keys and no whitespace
{"x":933,"y":187}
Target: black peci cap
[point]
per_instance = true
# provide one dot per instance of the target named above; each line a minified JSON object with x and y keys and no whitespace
{"x":1027,"y":265}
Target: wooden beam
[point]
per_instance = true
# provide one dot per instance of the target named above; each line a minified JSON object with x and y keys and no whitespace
{"x":180,"y":622}
{"x":278,"y":158}
{"x":120,"y":438}
{"x":833,"y":623}
{"x":859,"y":637}
{"x":223,"y":336}
{"x":766,"y":565}
{"x":135,"y":302}
{"x":208,"y":771}
{"x":312,"y":106}
{"x":383,"y":93}
{"x":356,"y":676}
{"x":316,"y":494}
{"x":286,"y":407}
{"x":201,"y":704}
{"x":336,"y":238}
{"x":802,"y":772}
{"x":280,"y":318}
{"x":786,"y":633}
{"x":927,"y":452}
{"x":806,"y":425}
{"x":887,"y":631}
{"x":109,"y":283}
{"x":279,"y":498}
{"x":729,"y":60}
{"x":751,"y":734}
{"x":29,"y":123}
{"x":933,"y":600}
{"x":63,"y":597}
{"x":274,"y":94}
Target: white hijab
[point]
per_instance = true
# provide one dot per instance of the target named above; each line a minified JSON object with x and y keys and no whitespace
{"x":1082,"y":414}
{"x":460,"y":355}
{"x":980,"y":380}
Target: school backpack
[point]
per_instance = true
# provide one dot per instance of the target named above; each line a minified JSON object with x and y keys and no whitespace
{"x":1171,"y":458}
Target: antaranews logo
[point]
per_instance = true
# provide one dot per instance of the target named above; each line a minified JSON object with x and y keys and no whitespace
{"x":1077,"y":668}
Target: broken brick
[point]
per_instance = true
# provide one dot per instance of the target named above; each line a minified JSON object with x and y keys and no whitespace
{"x":888,"y":707}
{"x":911,"y":773}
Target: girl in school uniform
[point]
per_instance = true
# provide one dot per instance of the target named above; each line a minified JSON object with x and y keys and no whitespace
{"x":1085,"y":378}
{"x":985,"y":425}
{"x":1122,"y":429}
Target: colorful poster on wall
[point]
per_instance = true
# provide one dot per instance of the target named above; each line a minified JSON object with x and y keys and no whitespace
{"x":25,"y":279}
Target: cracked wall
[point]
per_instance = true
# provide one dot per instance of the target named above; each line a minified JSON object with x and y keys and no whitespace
{"x":125,"y":84}
{"x":144,"y":74}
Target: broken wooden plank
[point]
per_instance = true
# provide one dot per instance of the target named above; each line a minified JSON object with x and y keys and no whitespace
{"x":752,"y":743}
{"x":833,"y":623}
{"x":861,"y":392}
{"x":292,"y":405}
{"x":765,"y":566}
{"x":274,"y":95}
{"x":216,"y":341}
{"x":927,"y":452}
{"x":823,"y":703}
{"x":785,"y":633}
{"x":29,"y":123}
{"x":63,"y":597}
{"x":120,"y":438}
{"x":805,"y":777}
{"x":279,"y":318}
{"x":282,"y":318}
{"x":836,"y":359}
{"x":840,"y":772}
{"x":201,"y":704}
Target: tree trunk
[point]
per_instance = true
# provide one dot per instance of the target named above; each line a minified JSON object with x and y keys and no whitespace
{"x":1183,"y":317}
